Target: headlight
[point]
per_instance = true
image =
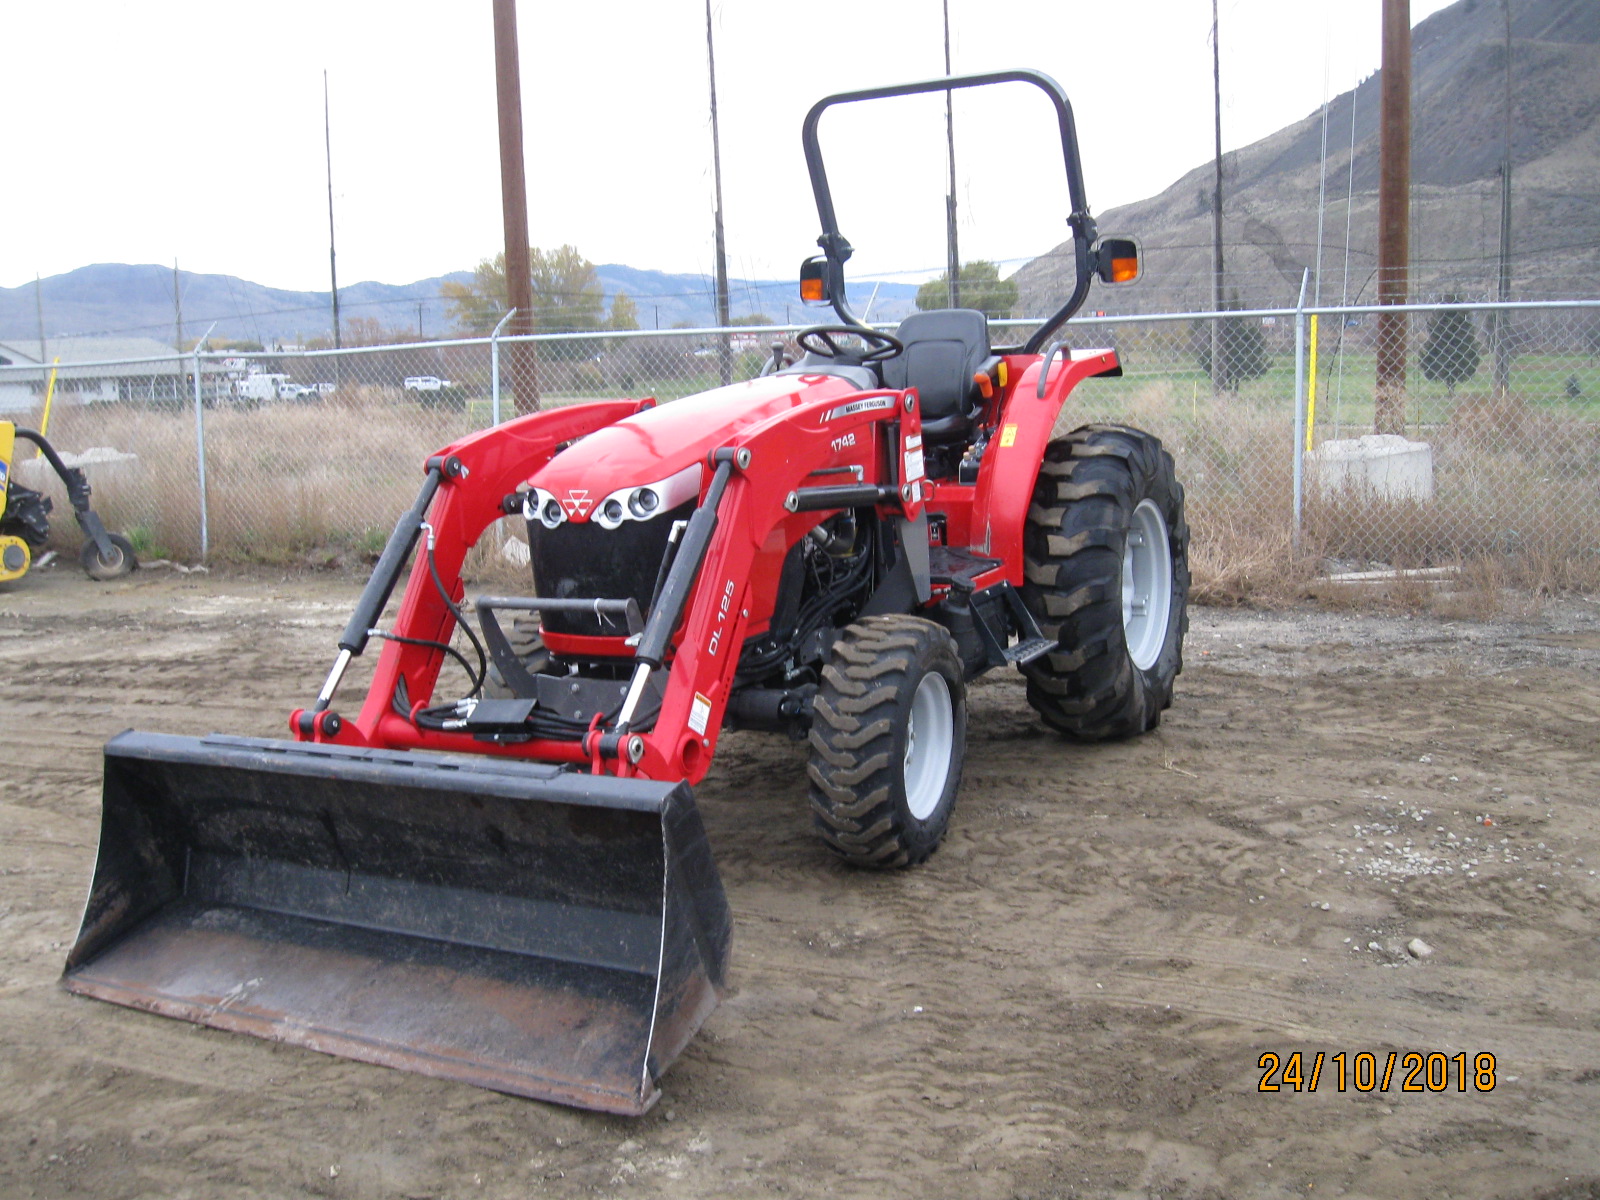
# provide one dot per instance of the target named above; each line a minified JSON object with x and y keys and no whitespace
{"x":539,"y":505}
{"x":640,"y":502}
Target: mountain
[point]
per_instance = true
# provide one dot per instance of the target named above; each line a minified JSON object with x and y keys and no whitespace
{"x":114,"y":298}
{"x":1270,"y":189}
{"x":666,"y":300}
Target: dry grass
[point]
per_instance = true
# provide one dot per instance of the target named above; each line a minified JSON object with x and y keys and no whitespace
{"x":1516,"y":510}
{"x":283,"y":482}
{"x":1517,"y":506}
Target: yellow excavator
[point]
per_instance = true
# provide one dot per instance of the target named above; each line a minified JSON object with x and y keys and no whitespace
{"x":25,"y":516}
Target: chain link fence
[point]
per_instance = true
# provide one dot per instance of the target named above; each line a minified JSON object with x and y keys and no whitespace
{"x":1353,"y":438}
{"x":1295,"y":437}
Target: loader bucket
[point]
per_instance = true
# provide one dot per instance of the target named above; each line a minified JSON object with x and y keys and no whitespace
{"x":502,"y":923}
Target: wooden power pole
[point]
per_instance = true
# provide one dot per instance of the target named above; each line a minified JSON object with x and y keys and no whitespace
{"x":1394,"y":216}
{"x":1501,"y":326}
{"x":333,"y":264}
{"x":725,"y":344}
{"x":514,"y":207}
{"x":952,"y":251}
{"x":1219,"y":370}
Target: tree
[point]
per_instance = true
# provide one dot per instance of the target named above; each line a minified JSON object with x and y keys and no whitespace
{"x":1450,"y":355}
{"x":981,"y":288}
{"x":752,"y":319}
{"x":477,"y":307}
{"x":567,"y":297}
{"x":369,"y":331}
{"x":624,"y":313}
{"x":1240,"y":346}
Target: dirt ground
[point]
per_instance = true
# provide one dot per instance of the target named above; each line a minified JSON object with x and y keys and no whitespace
{"x":1071,"y":999}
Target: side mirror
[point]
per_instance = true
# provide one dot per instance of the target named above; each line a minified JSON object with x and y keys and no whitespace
{"x":1117,"y":260}
{"x":813,"y":280}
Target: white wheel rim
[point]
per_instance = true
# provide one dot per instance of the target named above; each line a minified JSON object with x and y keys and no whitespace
{"x":930,"y":729}
{"x":1146,"y":585}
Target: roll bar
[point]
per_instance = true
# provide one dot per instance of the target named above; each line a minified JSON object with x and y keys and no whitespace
{"x":837,"y":250}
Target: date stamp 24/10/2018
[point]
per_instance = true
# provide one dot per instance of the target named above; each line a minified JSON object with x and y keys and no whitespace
{"x":1419,"y":1071}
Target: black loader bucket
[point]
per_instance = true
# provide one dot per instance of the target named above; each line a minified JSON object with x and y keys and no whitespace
{"x":507,"y":924}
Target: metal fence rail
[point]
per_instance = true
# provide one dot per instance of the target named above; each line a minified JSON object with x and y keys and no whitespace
{"x":1283,"y":431}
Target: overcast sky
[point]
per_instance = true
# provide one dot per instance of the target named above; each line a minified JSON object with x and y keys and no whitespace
{"x":193,"y":131}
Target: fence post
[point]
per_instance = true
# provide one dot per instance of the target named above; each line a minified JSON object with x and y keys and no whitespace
{"x":200,"y":447}
{"x":494,"y":364}
{"x":1299,"y":408}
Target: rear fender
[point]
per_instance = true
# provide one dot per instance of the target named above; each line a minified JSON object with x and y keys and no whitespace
{"x":1011,"y":462}
{"x":494,"y":462}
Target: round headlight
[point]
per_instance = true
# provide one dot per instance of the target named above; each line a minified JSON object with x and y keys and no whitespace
{"x":612,"y":510}
{"x":643,"y":502}
{"x":550,"y":514}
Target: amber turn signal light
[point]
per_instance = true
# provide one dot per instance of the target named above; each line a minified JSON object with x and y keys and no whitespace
{"x":1118,"y":260}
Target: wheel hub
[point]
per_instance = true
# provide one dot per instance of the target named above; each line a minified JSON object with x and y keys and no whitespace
{"x":1146,"y":585}
{"x":930,"y":727}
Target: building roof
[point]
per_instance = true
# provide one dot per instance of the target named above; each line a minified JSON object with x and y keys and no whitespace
{"x":111,"y":357}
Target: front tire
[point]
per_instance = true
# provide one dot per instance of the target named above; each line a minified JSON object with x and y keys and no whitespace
{"x":122,"y":560}
{"x":888,"y":738}
{"x":1107,"y":569}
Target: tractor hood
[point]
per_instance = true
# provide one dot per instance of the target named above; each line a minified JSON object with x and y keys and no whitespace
{"x":650,"y":463}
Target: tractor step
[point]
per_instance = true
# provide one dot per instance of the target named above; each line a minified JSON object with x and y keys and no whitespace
{"x":946,"y":564}
{"x":1029,"y":649}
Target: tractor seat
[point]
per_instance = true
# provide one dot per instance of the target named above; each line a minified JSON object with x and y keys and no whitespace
{"x":945,"y":348}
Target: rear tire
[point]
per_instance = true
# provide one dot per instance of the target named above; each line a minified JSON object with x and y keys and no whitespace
{"x":1107,"y":569}
{"x":888,"y":738}
{"x":122,"y":560}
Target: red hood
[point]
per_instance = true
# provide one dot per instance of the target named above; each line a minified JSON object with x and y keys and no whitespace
{"x":660,"y":441}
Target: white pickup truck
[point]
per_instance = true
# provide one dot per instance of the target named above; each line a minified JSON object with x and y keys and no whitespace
{"x":263,"y":387}
{"x":426,"y":383}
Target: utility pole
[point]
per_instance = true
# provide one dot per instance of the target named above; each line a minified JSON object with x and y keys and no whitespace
{"x":177,"y":305}
{"x":1394,"y":216}
{"x":953,"y":254}
{"x":419,"y":320}
{"x":1219,"y":372}
{"x":725,"y":351}
{"x":1501,"y":334}
{"x":514,"y":207}
{"x":38,"y":311}
{"x":333,"y":270}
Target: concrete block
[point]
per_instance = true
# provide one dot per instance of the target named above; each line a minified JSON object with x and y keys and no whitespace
{"x":102,"y":465}
{"x":1384,"y":466}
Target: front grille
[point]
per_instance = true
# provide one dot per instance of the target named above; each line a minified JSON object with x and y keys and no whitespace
{"x":588,"y":562}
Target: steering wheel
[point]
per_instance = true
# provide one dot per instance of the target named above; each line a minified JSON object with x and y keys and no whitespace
{"x":818,"y":340}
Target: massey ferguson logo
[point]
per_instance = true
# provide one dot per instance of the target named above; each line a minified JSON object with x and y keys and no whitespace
{"x":577,"y":504}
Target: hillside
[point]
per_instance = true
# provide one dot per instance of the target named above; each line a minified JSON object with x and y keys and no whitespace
{"x":114,"y":298}
{"x":1270,"y":189}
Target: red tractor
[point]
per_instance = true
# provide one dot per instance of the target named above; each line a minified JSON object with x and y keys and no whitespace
{"x":514,"y":887}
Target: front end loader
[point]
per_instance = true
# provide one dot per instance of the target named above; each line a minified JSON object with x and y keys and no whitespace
{"x":510,"y":884}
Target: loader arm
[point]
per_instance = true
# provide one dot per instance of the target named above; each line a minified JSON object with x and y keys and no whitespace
{"x":470,"y":497}
{"x":866,"y":435}
{"x":870,"y":432}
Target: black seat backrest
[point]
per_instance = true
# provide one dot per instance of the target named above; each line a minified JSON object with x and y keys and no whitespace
{"x":944,"y":350}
